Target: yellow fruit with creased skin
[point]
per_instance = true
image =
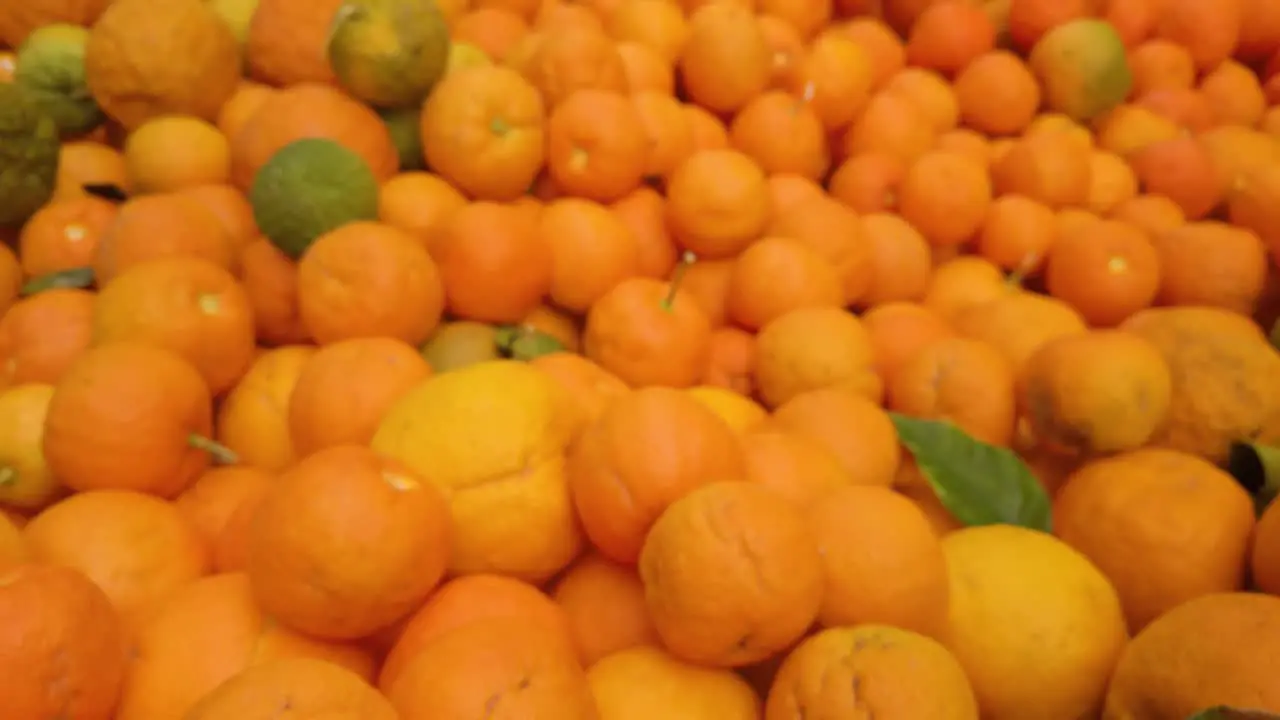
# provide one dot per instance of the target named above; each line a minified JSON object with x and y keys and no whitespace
{"x":493,"y":436}
{"x":389,"y":53}
{"x":1037,"y":627}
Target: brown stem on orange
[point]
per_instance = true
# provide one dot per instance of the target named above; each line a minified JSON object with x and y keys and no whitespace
{"x":220,"y":453}
{"x":677,"y":276}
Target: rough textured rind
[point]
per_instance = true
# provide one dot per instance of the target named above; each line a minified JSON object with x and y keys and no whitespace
{"x":1082,"y":68}
{"x":51,"y":66}
{"x":389,"y":53}
{"x":308,"y":188}
{"x":28,"y":155}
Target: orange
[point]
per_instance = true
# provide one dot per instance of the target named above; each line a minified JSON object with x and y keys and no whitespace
{"x":63,"y":234}
{"x":233,"y":211}
{"x":1160,"y":567}
{"x":901,"y":260}
{"x":500,"y":662}
{"x":886,"y":671}
{"x":1017,"y":233}
{"x":618,"y":479}
{"x":286,"y":42}
{"x":899,"y":331}
{"x":176,"y":151}
{"x":253,"y":419}
{"x":868,"y":182}
{"x":491,"y":263}
{"x":674,"y":688}
{"x":564,"y":59}
{"x":962,"y":283}
{"x":964,"y":381}
{"x":945,"y":196}
{"x":834,"y":76}
{"x":471,"y":599}
{"x":26,"y":484}
{"x":591,"y":250}
{"x":163,"y":225}
{"x":597,"y":144}
{"x":810,"y":348}
{"x":643,"y":211}
{"x":666,"y":128}
{"x":507,"y":115}
{"x":216,"y":495}
{"x":948,"y":35}
{"x":731,"y":361}
{"x":648,"y":332}
{"x":419,"y":203}
{"x":1209,"y":33}
{"x":42,"y":335}
{"x":855,"y":429}
{"x":64,"y":649}
{"x":208,"y":632}
{"x":1183,"y":170}
{"x":605,"y":604}
{"x":1207,"y":651}
{"x":493,"y":437}
{"x":1036,"y":626}
{"x":797,"y":466}
{"x":85,"y":162}
{"x":187,"y":305}
{"x":1096,"y":393}
{"x":591,"y":388}
{"x":725,"y":61}
{"x":1047,"y":167}
{"x":346,"y":542}
{"x":130,"y":416}
{"x":304,"y":685}
{"x":1019,"y":323}
{"x":881,"y":560}
{"x":775,"y":275}
{"x":369,"y":279}
{"x":997,"y":94}
{"x":740,"y":413}
{"x":717,"y":203}
{"x":137,"y":548}
{"x":270,"y":280}
{"x":658,"y":24}
{"x":343,"y":390}
{"x":710,"y":603}
{"x":890,"y":123}
{"x":1212,"y":264}
{"x":706,"y":282}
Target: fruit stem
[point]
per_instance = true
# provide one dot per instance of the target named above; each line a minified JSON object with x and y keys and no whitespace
{"x":677,"y":276}
{"x":220,"y":453}
{"x":8,"y":475}
{"x":1020,"y":273}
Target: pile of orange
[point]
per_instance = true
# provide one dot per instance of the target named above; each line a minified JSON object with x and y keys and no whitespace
{"x":728,"y":360}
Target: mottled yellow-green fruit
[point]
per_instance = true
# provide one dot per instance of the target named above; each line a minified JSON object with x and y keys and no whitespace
{"x":389,"y":53}
{"x":458,"y":344}
{"x":309,"y":187}
{"x":1082,"y":68}
{"x":50,"y":63}
{"x":463,"y":55}
{"x":29,"y":146}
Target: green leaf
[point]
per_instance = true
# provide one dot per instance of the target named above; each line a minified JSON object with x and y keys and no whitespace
{"x":1222,"y":712}
{"x":979,"y":483}
{"x":1256,"y":467}
{"x":77,"y":278}
{"x":524,"y":343}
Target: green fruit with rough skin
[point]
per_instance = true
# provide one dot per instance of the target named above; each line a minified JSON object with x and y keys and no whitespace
{"x":389,"y":53}
{"x":1083,"y":68}
{"x":405,"y":129}
{"x":308,"y":188}
{"x":50,"y":63}
{"x":29,"y":146}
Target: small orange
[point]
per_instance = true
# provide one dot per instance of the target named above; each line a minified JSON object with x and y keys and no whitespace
{"x":717,"y":202}
{"x":710,"y":603}
{"x":604,"y":602}
{"x":591,"y":251}
{"x":176,"y":151}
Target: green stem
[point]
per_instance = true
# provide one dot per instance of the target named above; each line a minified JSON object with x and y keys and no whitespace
{"x":8,"y":475}
{"x":220,"y":453}
{"x":677,"y":276}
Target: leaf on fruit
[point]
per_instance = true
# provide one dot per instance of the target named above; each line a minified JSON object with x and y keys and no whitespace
{"x":1222,"y":712}
{"x":76,"y":278}
{"x":1256,"y":468}
{"x":520,"y":342}
{"x":979,"y":483}
{"x":106,"y":191}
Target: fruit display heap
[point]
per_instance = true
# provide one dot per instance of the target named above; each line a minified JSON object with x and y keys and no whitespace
{"x":639,"y":359}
